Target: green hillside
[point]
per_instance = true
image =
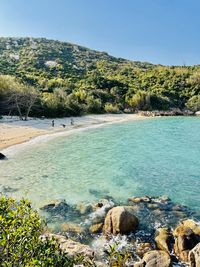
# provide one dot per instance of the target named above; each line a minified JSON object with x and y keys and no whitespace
{"x":36,"y":58}
{"x":74,"y":80}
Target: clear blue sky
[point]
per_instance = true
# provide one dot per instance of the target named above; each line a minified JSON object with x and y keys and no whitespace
{"x":158,"y":31}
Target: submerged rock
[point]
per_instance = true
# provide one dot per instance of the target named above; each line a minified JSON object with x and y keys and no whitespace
{"x":72,"y":228}
{"x":155,"y":258}
{"x":7,"y":189}
{"x":120,"y":220}
{"x":56,"y":207}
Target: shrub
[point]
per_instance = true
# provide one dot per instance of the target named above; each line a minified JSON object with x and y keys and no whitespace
{"x":20,"y":242}
{"x":110,"y":108}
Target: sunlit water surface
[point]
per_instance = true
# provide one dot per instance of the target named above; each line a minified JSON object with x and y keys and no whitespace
{"x":158,"y":156}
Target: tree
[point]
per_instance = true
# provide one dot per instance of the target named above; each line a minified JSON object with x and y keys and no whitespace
{"x":17,"y":96}
{"x":194,"y":103}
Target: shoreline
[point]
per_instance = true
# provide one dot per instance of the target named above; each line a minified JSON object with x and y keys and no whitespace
{"x":16,"y":135}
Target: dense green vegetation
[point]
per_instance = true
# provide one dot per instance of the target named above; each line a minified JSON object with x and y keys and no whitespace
{"x":73,"y":80}
{"x":20,"y":242}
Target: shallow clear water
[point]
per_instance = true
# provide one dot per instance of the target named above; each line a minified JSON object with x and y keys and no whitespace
{"x":158,"y":156}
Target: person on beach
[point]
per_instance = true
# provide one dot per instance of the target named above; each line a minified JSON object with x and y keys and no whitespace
{"x":72,"y":121}
{"x":52,"y":123}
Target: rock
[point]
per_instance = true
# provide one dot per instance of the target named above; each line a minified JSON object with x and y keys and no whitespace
{"x":96,"y":228}
{"x":185,"y":225}
{"x":187,"y":237}
{"x":69,"y":246}
{"x":56,"y":207}
{"x":192,"y":225}
{"x":106,"y":204}
{"x":162,"y":199}
{"x":2,"y":156}
{"x":183,"y":244}
{"x":142,"y":248}
{"x":163,"y":239}
{"x":98,"y":216}
{"x":120,"y":220}
{"x":7,"y":189}
{"x":99,"y":205}
{"x":197,"y":113}
{"x":72,"y":227}
{"x":84,"y":208}
{"x":155,"y":258}
{"x":153,"y":206}
{"x":194,"y":256}
{"x":140,"y":199}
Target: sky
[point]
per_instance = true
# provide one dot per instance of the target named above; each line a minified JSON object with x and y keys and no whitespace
{"x":156,"y":31}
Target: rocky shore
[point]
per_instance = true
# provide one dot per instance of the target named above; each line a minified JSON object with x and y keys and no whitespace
{"x":173,"y":112}
{"x":144,"y":231}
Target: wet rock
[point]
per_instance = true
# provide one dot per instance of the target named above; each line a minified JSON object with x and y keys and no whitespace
{"x":84,"y":208}
{"x":163,"y":239}
{"x":104,"y":203}
{"x":69,"y":246}
{"x":155,"y":258}
{"x":187,"y":237}
{"x":2,"y":156}
{"x":120,"y":220}
{"x":7,"y":189}
{"x":142,"y":248}
{"x":98,"y":193}
{"x":180,"y":215}
{"x":194,"y":256}
{"x":98,"y":216}
{"x":96,"y":228}
{"x":56,"y":207}
{"x":153,"y":206}
{"x":72,"y":228}
{"x":162,"y":199}
{"x":192,"y":225}
{"x":140,"y":199}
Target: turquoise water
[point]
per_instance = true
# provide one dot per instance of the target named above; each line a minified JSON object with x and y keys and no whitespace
{"x":158,"y":156}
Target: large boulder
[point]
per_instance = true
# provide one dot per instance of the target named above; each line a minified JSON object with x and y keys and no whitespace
{"x":69,"y":246}
{"x":155,"y":258}
{"x":194,"y":256}
{"x":120,"y":220}
{"x":2,"y":156}
{"x":187,"y":237}
{"x":163,"y":239}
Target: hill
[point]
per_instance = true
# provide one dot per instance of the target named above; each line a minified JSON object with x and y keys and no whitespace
{"x":73,"y":80}
{"x":33,"y":58}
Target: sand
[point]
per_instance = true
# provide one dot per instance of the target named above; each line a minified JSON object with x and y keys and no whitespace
{"x":14,"y":131}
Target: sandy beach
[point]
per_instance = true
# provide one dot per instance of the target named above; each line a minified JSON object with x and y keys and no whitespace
{"x":14,"y":131}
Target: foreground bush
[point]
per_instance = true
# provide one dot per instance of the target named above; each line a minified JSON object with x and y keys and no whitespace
{"x":20,"y":243}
